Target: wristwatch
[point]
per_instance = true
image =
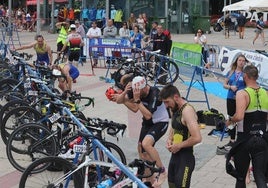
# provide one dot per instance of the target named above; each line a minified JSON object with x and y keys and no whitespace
{"x":137,"y":102}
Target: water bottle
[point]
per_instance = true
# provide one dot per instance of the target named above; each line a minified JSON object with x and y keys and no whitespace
{"x":106,"y":184}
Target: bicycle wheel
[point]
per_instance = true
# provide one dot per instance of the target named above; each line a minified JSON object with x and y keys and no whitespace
{"x":9,"y":106}
{"x":168,"y":74}
{"x":106,"y":171}
{"x":17,"y":117}
{"x":50,"y":177}
{"x":164,"y":71}
{"x":28,"y":143}
{"x":125,"y":68}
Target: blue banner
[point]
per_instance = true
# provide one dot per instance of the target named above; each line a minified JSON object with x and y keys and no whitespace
{"x":107,"y":47}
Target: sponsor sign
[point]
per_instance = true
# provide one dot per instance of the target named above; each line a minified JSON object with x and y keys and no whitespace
{"x":228,"y":55}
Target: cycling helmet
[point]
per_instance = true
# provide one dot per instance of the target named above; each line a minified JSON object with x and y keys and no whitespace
{"x":139,"y":82}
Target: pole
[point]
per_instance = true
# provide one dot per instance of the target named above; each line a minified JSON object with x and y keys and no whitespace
{"x":9,"y":13}
{"x":52,"y":17}
{"x":107,"y":10}
{"x":166,"y":14}
{"x":38,"y":24}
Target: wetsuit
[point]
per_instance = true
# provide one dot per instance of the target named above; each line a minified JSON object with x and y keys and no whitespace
{"x":157,"y":126}
{"x":42,"y":54}
{"x":252,"y":142}
{"x":182,"y":163}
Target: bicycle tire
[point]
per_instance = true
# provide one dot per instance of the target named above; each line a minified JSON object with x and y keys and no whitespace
{"x":28,"y":143}
{"x":117,"y":152}
{"x":125,"y":68}
{"x":11,"y":105}
{"x":170,"y":73}
{"x":45,"y":177}
{"x":17,"y":117}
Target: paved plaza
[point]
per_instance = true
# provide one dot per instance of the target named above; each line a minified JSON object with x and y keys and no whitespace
{"x":210,"y":168}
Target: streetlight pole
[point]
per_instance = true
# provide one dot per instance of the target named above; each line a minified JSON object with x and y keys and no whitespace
{"x":52,"y":16}
{"x":38,"y":24}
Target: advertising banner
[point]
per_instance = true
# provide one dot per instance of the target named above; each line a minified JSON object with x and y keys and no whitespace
{"x":228,"y":55}
{"x":186,"y":52}
{"x":105,"y":47}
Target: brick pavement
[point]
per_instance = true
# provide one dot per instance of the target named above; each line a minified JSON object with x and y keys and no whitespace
{"x":210,"y":170}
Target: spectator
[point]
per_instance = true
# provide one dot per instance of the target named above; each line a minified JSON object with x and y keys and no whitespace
{"x":71,"y":15}
{"x":227,"y":25}
{"x":136,"y":39}
{"x":131,"y":21}
{"x":124,"y":31}
{"x":201,"y":39}
{"x":85,"y":15}
{"x":61,"y":15}
{"x":259,"y":30}
{"x":110,"y":30}
{"x":153,"y":30}
{"x":28,"y":20}
{"x":141,"y":23}
{"x":241,"y":21}
{"x":146,"y":23}
{"x":81,"y":31}
{"x":160,"y":41}
{"x":211,"y":60}
{"x":93,"y":34}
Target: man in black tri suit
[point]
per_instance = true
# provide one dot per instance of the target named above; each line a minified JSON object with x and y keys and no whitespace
{"x":183,"y":135}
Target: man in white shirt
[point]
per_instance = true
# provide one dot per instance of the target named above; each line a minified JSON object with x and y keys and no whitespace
{"x":93,"y":34}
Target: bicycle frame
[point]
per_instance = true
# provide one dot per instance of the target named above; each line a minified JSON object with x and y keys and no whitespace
{"x":97,"y":143}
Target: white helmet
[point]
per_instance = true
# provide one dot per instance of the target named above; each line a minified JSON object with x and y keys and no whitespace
{"x":138,"y":82}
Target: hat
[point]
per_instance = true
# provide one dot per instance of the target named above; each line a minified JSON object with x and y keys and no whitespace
{"x":76,"y":22}
{"x":72,"y":26}
{"x":138,"y":82}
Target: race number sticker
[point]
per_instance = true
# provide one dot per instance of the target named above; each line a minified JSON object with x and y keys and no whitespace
{"x":79,"y":148}
{"x":54,"y":117}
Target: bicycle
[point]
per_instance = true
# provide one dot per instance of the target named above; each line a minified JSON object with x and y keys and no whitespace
{"x":157,"y":69}
{"x":69,"y":171}
{"x":31,"y":179}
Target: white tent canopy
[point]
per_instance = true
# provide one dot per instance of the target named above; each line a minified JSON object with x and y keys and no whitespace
{"x":247,"y":5}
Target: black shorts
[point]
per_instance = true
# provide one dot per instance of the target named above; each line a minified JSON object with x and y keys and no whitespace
{"x":74,"y":55}
{"x":59,"y":47}
{"x":180,"y":168}
{"x":156,"y":131}
{"x":231,"y":107}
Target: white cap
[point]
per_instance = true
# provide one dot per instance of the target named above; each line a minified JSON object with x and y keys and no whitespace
{"x":138,"y":82}
{"x":72,"y":26}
